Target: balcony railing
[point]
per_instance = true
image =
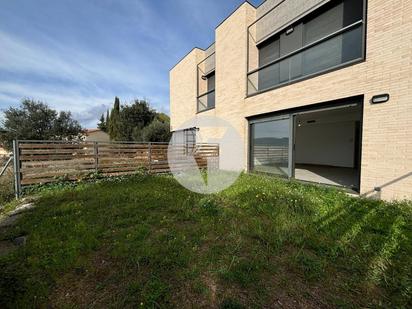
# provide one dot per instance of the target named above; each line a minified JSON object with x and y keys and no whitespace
{"x":337,"y":49}
{"x":334,"y":50}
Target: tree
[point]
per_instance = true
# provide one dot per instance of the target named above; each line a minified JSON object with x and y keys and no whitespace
{"x":162,"y":117}
{"x":128,"y":122}
{"x":65,"y":127}
{"x":35,"y":120}
{"x":157,"y":131}
{"x":114,"y":120}
{"x":102,"y":125}
{"x":107,"y":121}
{"x":135,"y":117}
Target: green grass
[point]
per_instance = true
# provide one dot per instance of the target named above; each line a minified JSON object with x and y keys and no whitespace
{"x":148,"y":242}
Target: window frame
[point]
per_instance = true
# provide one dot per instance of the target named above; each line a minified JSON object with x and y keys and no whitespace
{"x":277,"y":33}
{"x":200,"y":95}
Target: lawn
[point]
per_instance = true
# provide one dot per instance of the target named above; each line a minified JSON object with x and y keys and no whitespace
{"x":148,"y":242}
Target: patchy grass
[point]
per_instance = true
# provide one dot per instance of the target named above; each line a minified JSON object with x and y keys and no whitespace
{"x":148,"y":242}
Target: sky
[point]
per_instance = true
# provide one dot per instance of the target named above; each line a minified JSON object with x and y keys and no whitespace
{"x":77,"y":55}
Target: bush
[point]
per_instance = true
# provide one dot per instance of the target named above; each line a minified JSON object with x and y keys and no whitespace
{"x":156,"y":131}
{"x":6,"y":185}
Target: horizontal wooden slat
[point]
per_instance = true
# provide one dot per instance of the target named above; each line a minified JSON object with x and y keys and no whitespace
{"x":53,"y":157}
{"x":55,"y":151}
{"x":56,"y":146}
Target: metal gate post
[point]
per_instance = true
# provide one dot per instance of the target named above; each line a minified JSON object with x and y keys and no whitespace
{"x":16,"y":167}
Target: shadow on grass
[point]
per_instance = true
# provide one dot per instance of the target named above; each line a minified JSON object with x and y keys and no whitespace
{"x":373,"y":240}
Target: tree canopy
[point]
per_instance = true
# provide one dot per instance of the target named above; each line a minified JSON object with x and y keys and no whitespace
{"x":35,"y":120}
{"x":136,"y":122}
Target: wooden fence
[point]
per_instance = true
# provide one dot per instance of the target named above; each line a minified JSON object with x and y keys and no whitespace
{"x":39,"y":162}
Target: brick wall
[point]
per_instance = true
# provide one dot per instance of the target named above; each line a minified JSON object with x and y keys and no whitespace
{"x":387,"y":137}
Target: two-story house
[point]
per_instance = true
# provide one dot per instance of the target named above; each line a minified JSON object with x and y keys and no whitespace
{"x":319,"y":91}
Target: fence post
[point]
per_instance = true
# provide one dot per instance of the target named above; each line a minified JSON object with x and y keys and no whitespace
{"x":150,"y":158}
{"x":96,"y":156}
{"x":16,"y":167}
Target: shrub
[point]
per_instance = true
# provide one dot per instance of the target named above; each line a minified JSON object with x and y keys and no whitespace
{"x":6,"y":186}
{"x":156,"y":131}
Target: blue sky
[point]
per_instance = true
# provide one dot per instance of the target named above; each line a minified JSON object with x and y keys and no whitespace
{"x":78,"y":54}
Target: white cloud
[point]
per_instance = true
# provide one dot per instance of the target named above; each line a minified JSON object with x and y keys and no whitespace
{"x":74,"y":74}
{"x":70,"y":79}
{"x":65,"y":62}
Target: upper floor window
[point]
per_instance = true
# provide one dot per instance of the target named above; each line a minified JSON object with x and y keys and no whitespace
{"x":206,"y":84}
{"x":327,"y":38}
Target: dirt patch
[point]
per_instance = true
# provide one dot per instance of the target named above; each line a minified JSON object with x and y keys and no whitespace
{"x":94,"y":285}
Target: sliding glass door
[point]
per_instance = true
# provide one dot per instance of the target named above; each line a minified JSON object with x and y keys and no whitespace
{"x":271,"y":146}
{"x":320,"y":145}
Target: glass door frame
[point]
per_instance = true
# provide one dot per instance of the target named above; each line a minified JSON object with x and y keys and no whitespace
{"x":285,"y":116}
{"x":292,"y":132}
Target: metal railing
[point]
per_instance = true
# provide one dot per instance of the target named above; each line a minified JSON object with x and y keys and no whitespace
{"x":296,"y":65}
{"x":282,"y":71}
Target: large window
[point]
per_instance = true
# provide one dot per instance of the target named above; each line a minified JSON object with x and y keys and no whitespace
{"x":327,"y":38}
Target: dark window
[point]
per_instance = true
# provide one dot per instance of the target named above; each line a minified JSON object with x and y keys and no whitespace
{"x":270,"y":146}
{"x":353,"y":11}
{"x":206,"y":100}
{"x":332,"y":45}
{"x":211,"y":82}
{"x":328,"y":20}
{"x":269,"y":51}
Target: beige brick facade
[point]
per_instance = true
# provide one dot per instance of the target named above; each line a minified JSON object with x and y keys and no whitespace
{"x":386,"y":159}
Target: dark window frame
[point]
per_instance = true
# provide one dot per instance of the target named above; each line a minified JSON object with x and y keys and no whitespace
{"x":276,"y":34}
{"x":259,"y":118}
{"x":208,"y":92}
